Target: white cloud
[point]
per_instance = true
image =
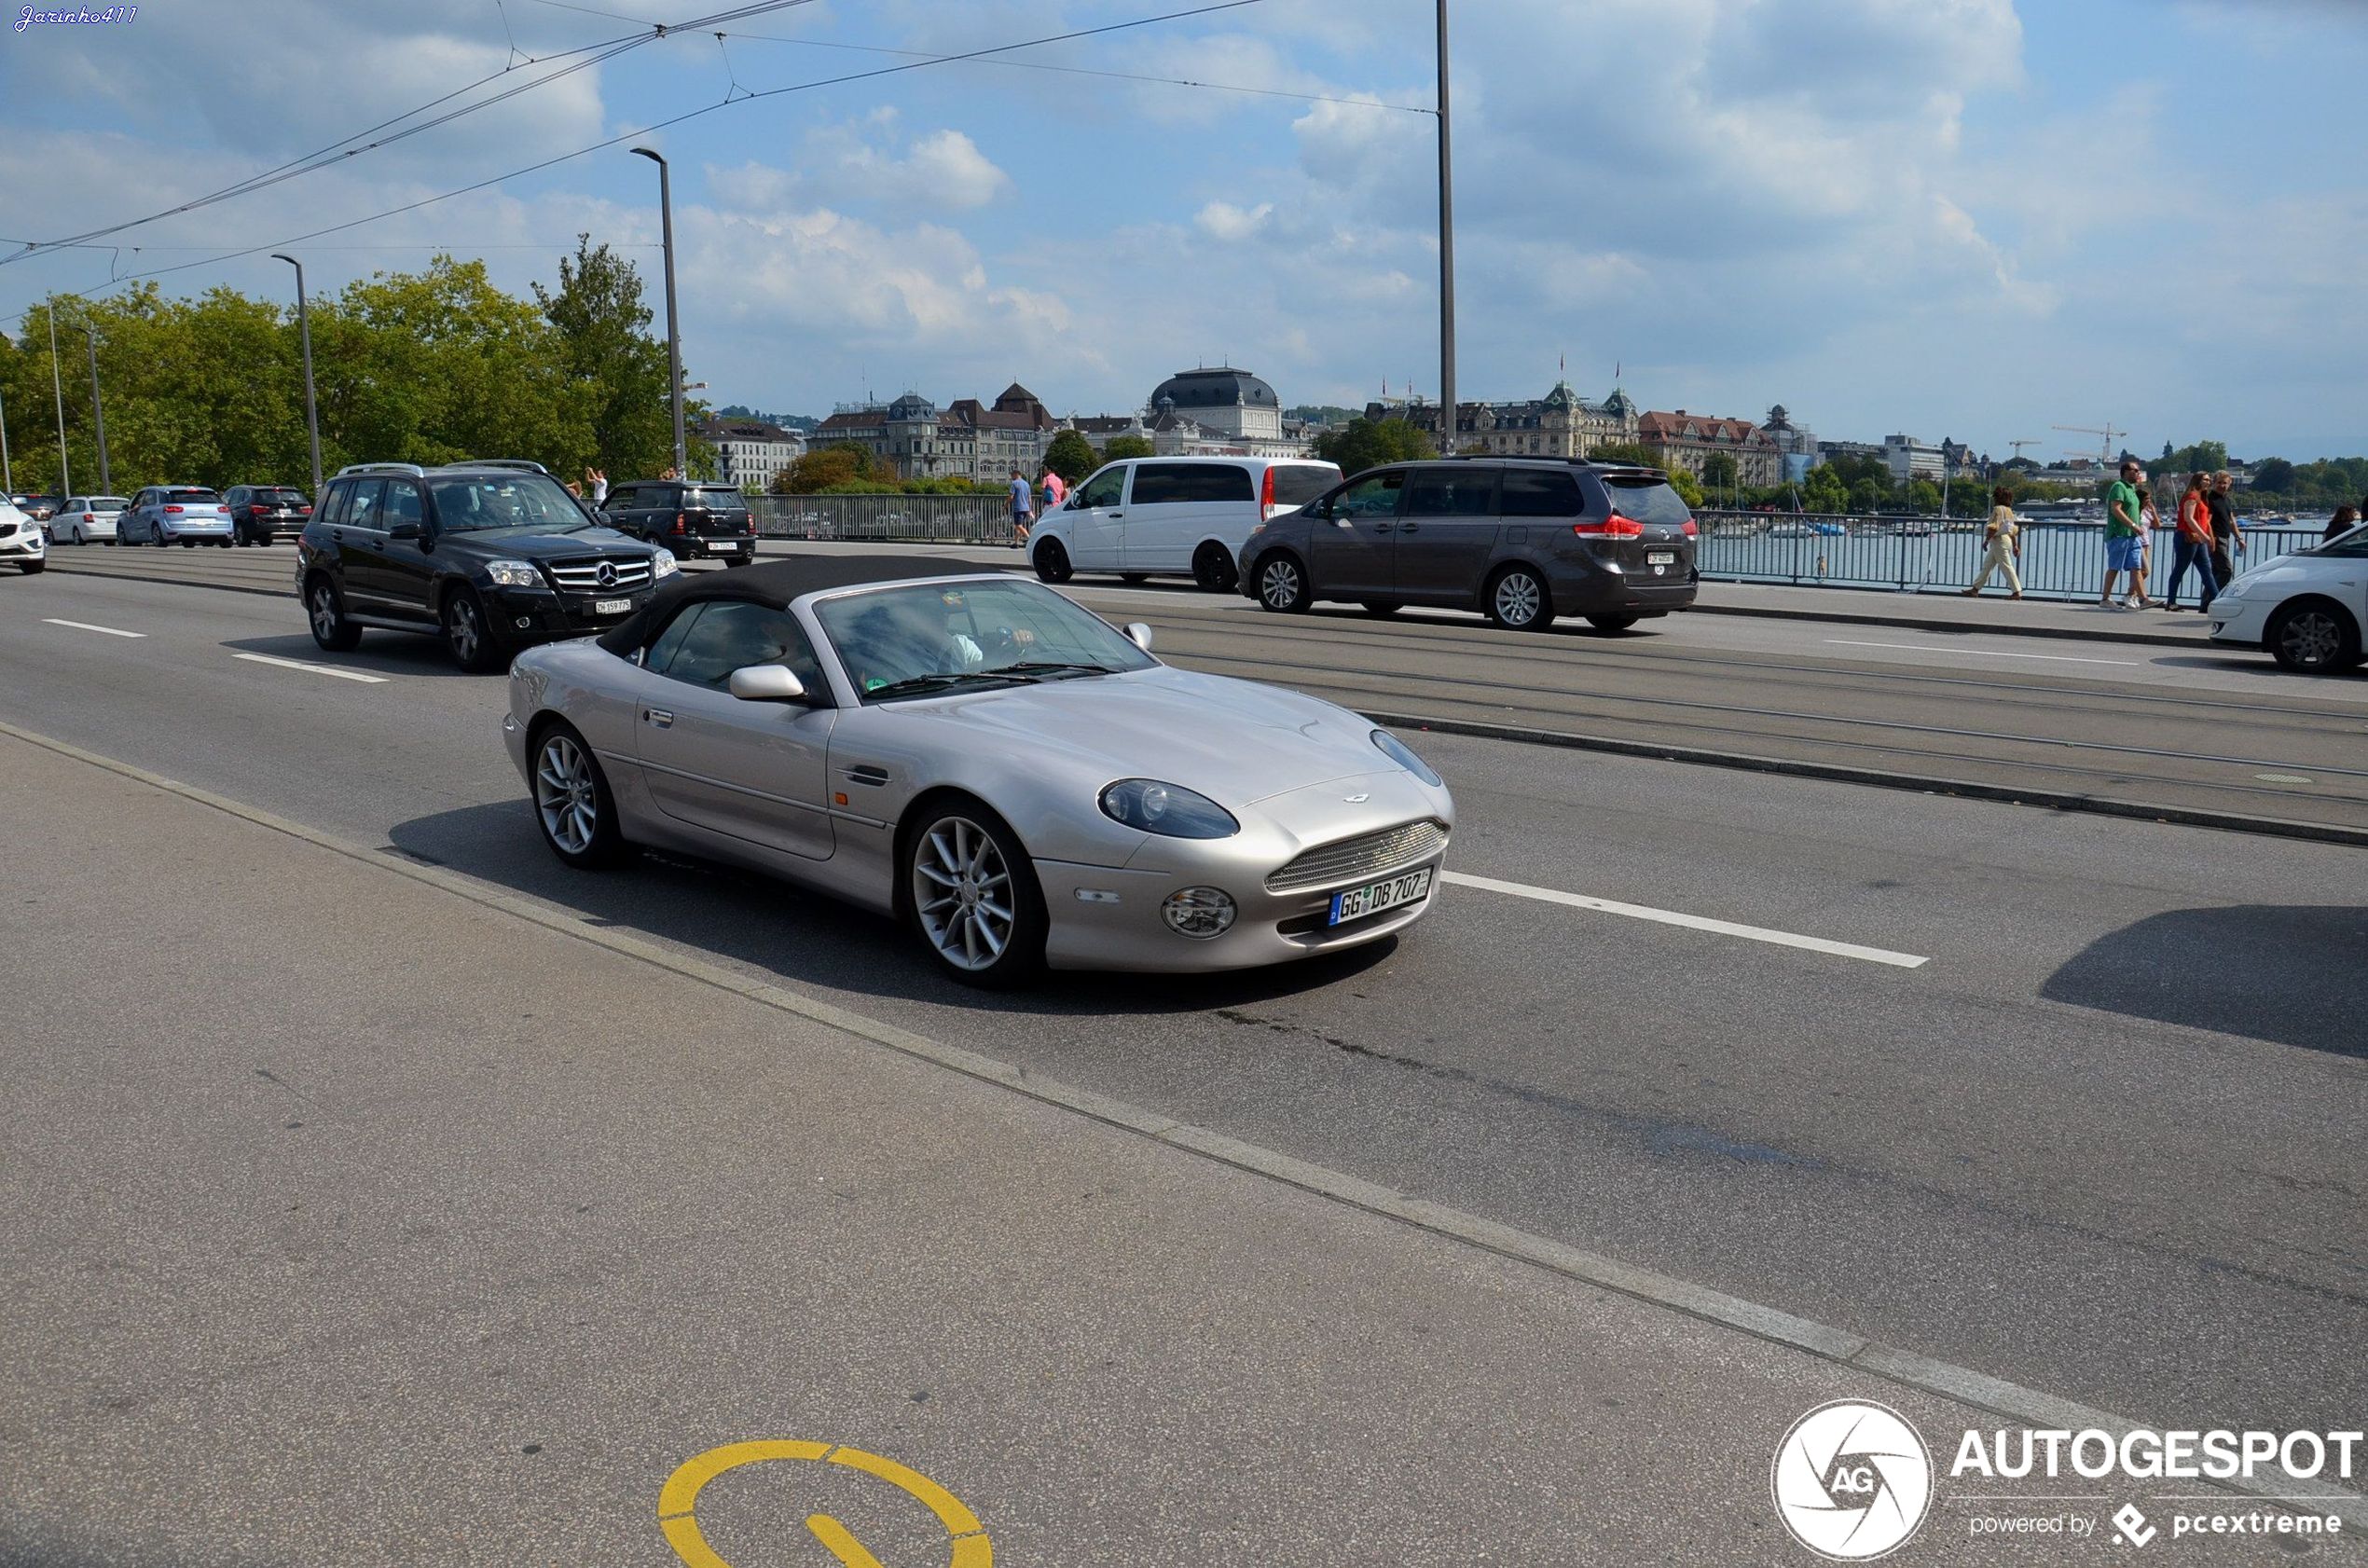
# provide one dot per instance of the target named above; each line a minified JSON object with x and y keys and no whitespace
{"x":1226,"y":221}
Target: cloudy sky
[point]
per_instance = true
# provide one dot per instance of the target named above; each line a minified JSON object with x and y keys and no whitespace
{"x":1963,"y":218}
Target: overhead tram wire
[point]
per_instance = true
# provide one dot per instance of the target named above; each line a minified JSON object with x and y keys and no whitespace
{"x":598,"y":53}
{"x":678,"y":119}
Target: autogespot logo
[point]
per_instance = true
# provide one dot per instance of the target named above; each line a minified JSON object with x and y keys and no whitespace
{"x":1852,"y":1481}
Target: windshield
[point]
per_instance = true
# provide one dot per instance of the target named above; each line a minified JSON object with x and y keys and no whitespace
{"x":507,"y":500}
{"x":1647,"y":501}
{"x":913,"y":640}
{"x":1296,"y":483}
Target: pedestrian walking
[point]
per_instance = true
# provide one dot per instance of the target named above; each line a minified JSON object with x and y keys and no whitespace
{"x":2002,"y":545}
{"x":1023,"y":508}
{"x":1057,"y":489}
{"x":2191,"y":544}
{"x":2227,"y":539}
{"x":2343,"y":522}
{"x":2126,"y":510}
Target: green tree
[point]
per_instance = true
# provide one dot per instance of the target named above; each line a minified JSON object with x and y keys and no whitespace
{"x":1688,"y":488}
{"x":1719,"y":470}
{"x":1072,"y":456}
{"x":1128,"y":447}
{"x":1923,"y":495}
{"x":612,"y":360}
{"x":840,"y":467}
{"x":1868,"y":495}
{"x":1363,"y":443}
{"x":1624,"y":451}
{"x":1823,"y":490}
{"x":2274,"y":475}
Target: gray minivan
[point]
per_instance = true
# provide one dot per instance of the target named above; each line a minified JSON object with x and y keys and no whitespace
{"x":1168,"y":517}
{"x":1522,"y":540}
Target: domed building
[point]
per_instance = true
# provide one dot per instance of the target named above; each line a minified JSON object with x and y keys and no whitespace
{"x":1223,"y":400}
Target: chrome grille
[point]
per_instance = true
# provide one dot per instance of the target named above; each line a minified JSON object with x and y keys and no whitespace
{"x":583,"y":575}
{"x":1355,"y":858}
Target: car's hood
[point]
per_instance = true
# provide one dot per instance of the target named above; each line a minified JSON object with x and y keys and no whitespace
{"x":500,"y":544}
{"x":1236,"y":741}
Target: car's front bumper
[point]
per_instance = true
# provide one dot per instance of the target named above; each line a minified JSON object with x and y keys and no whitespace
{"x":2240,"y":620}
{"x":25,"y":543}
{"x":1102,"y":918}
{"x":539,"y":614}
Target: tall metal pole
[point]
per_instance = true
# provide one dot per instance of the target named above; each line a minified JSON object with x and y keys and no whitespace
{"x":312,"y":410}
{"x":673,"y":324}
{"x":1446,"y":256}
{"x":7,"y":468}
{"x":57,"y":385}
{"x":98,"y":410}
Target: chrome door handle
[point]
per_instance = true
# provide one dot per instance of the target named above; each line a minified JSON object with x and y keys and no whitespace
{"x":1408,"y":527}
{"x":659,"y":717}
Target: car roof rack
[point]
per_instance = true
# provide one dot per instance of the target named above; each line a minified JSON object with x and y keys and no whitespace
{"x":527,"y":464}
{"x":413,"y":468}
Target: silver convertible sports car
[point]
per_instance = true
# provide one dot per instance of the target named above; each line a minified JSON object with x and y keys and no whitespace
{"x":980,"y":757}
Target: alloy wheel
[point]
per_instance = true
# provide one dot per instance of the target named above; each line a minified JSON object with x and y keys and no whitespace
{"x":2312,"y":638}
{"x":324,"y":613}
{"x":962,"y":892}
{"x":1516,"y":599}
{"x":1278,"y":584}
{"x":565,"y":796}
{"x":462,"y":625}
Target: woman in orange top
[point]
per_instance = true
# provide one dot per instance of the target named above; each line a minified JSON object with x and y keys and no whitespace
{"x":2192,"y":545}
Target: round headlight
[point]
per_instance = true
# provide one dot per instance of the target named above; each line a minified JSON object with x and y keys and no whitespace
{"x":1199,"y":912}
{"x":1399,"y":753}
{"x":1169,"y":810}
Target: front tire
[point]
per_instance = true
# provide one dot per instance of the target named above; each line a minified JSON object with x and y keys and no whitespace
{"x":573,"y":804}
{"x":1282,"y":585}
{"x":1051,"y":562}
{"x":326,"y":610}
{"x":1517,"y":600}
{"x":469,"y":633}
{"x":74,"y":535}
{"x":2313,"y":639}
{"x":32,"y":568}
{"x":971,"y":896}
{"x":1213,"y":568}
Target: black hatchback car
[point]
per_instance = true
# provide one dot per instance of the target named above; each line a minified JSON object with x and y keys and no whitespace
{"x":493,"y":554}
{"x":260,"y":513}
{"x":1522,"y":540}
{"x":688,"y":518}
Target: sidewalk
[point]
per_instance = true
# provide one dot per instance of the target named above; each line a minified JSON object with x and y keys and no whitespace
{"x":1951,"y":612}
{"x":397,"y":1227}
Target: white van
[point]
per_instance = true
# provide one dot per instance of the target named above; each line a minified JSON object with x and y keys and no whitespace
{"x":1172,"y":516}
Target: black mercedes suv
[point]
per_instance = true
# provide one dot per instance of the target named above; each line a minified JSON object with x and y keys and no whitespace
{"x":490,"y":553}
{"x":1520,"y":540}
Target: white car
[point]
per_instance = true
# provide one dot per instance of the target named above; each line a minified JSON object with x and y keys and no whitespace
{"x":86,"y":517}
{"x":2308,"y":609}
{"x":1172,"y":516}
{"x":21,"y":542}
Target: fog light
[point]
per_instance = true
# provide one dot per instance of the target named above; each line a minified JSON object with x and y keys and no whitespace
{"x":1199,"y":912}
{"x":525,"y":621}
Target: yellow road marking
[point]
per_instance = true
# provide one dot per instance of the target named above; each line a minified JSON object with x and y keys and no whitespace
{"x":679,"y":1498}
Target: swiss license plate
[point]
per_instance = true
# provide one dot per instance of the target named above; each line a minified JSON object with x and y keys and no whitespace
{"x":1660,"y":557}
{"x":610,"y":605}
{"x":1357,"y":902}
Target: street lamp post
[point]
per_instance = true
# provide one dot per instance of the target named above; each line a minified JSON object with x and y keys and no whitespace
{"x":56,"y":386}
{"x":312,"y":410}
{"x":1446,"y":256}
{"x":673,"y":324}
{"x":98,"y":410}
{"x":7,"y":468}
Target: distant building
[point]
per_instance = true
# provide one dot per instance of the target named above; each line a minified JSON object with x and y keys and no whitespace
{"x":1220,"y":412}
{"x":1796,"y":444}
{"x":750,"y":452}
{"x":1911,"y":458}
{"x":1561,"y":424}
{"x":1687,"y":441}
{"x":966,"y":440}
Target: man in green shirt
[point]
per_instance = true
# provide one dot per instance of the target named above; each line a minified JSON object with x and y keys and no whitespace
{"x":2126,"y":536}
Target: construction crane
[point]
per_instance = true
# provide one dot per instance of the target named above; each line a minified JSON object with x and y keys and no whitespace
{"x":2019,"y":446}
{"x":2105,"y":434}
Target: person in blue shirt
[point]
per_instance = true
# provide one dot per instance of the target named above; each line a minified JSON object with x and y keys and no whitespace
{"x":1023,"y":507}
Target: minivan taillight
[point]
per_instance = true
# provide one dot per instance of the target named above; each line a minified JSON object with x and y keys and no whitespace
{"x":1689,"y":531}
{"x":1266,"y":492}
{"x":1613,"y":527}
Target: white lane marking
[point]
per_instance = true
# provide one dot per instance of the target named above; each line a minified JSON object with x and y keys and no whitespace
{"x":85,"y":626}
{"x":315,"y":669}
{"x":1983,"y":653}
{"x":1692,"y":922}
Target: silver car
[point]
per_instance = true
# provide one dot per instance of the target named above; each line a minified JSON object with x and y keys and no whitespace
{"x":978,"y":757}
{"x":174,"y":514}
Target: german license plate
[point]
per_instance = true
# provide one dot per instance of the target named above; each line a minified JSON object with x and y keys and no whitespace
{"x":610,"y":605}
{"x":1372,"y":899}
{"x":1660,"y":557}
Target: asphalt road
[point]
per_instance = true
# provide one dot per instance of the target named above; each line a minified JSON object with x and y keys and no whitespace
{"x":2104,"y":1143}
{"x":2216,"y":732}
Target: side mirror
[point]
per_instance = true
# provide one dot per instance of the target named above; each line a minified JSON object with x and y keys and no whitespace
{"x":767,"y":683}
{"x":403,"y":530}
{"x":1139,"y":634}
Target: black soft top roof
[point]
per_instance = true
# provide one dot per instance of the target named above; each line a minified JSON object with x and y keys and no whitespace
{"x":774,"y":584}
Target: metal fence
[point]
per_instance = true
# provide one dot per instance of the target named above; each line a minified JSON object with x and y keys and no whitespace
{"x":904,"y":519}
{"x":1926,"y":555}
